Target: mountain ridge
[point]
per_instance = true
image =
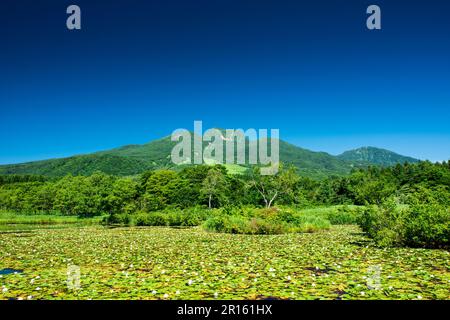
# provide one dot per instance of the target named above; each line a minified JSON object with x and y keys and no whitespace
{"x":373,"y":155}
{"x":135,"y":158}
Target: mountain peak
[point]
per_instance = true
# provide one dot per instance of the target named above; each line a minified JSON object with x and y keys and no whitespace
{"x":374,"y":155}
{"x":136,"y":158}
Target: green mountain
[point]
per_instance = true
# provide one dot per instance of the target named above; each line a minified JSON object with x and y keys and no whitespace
{"x":124,"y":161}
{"x":313,"y":164}
{"x":134,"y":159}
{"x":376,"y":156}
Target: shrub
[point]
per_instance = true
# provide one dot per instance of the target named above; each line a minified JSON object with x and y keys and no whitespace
{"x":151,"y":219}
{"x":428,"y":226}
{"x":266,"y":221}
{"x":122,"y":218}
{"x":186,"y":219}
{"x":174,"y":217}
{"x":216,"y":224}
{"x":413,"y":224}
{"x":344,"y":214}
{"x":232,"y":210}
{"x":243,"y":225}
{"x":369,"y":219}
{"x":261,"y":226}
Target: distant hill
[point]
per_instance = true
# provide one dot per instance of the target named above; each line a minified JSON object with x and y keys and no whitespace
{"x":123,"y":161}
{"x":376,"y":156}
{"x":78,"y":165}
{"x":134,"y":159}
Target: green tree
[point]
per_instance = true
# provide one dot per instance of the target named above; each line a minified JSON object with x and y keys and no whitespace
{"x":214,"y":185}
{"x":272,"y":186}
{"x":160,"y":189}
{"x":123,"y":196}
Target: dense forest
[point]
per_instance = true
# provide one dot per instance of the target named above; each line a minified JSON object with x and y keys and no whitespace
{"x":405,"y":204}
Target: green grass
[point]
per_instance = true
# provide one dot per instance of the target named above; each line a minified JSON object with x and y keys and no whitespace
{"x":168,"y":263}
{"x":340,"y":214}
{"x":7,"y":218}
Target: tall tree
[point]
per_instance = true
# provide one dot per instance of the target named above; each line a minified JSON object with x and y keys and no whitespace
{"x":270,"y":187}
{"x":214,"y":184}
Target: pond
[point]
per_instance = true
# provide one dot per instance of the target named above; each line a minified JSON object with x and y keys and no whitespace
{"x":9,"y":271}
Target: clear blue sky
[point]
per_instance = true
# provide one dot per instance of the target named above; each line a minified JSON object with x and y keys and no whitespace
{"x":140,"y":69}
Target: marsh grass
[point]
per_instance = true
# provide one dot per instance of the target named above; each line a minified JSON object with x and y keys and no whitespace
{"x":8,"y":218}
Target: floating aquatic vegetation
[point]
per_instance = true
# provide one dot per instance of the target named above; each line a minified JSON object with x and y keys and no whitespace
{"x":166,"y":263}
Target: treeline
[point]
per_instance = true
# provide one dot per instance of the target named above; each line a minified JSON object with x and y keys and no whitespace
{"x":13,"y":178}
{"x":407,"y":204}
{"x":375,"y":184}
{"x":100,"y":193}
{"x":212,"y":186}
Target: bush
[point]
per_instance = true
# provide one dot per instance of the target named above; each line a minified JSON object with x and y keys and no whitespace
{"x":187,"y":218}
{"x":183,"y":219}
{"x":175,"y":217}
{"x":216,"y":224}
{"x":122,"y":219}
{"x":242,"y":225}
{"x":413,"y":224}
{"x":265,"y":221}
{"x":428,"y":226}
{"x":344,"y":214}
{"x":152,"y":219}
